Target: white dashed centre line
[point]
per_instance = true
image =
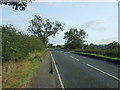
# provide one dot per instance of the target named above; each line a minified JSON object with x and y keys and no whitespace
{"x":74,"y":58}
{"x":98,"y":69}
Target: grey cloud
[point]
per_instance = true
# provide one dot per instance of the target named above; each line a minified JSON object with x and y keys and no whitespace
{"x":106,"y":40}
{"x":96,"y":25}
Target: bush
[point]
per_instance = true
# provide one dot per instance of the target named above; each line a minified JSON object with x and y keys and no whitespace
{"x":16,"y":46}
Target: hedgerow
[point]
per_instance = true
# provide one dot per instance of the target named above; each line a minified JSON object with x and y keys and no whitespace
{"x":106,"y":52}
{"x":16,"y":46}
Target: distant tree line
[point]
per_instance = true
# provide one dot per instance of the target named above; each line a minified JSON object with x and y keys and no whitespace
{"x":75,"y":40}
{"x":112,"y":49}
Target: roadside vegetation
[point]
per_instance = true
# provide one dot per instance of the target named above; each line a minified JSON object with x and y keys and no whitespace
{"x":110,"y":49}
{"x":18,"y":74}
{"x":21,"y":56}
{"x":76,"y":43}
{"x":22,"y":53}
{"x":16,"y":45}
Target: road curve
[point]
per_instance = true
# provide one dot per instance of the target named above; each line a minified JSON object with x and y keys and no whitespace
{"x":78,"y":71}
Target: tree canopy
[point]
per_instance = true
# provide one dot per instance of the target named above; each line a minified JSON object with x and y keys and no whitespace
{"x":92,"y":45}
{"x":113,"y":45}
{"x":18,"y":5}
{"x":44,"y":28}
{"x":75,"y":38}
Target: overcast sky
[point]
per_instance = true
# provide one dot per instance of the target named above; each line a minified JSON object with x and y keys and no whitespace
{"x":98,"y":19}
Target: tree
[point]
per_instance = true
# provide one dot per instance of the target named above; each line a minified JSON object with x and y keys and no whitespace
{"x":18,"y":5}
{"x":92,"y":45}
{"x":58,"y":46}
{"x":85,"y":46}
{"x":50,"y":45}
{"x":75,"y":38}
{"x":44,"y":28}
{"x":113,"y":45}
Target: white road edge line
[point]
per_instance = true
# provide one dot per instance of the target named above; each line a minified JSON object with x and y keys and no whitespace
{"x":103,"y":72}
{"x":57,"y":72}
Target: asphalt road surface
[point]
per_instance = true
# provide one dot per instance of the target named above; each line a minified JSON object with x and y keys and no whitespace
{"x":77,"y":71}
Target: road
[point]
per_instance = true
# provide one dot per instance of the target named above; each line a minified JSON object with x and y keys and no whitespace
{"x":77,"y":71}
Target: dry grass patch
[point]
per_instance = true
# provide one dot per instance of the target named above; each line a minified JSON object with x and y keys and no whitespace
{"x":17,"y":74}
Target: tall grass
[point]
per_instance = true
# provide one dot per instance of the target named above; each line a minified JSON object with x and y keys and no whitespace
{"x":22,"y":71}
{"x":21,"y":56}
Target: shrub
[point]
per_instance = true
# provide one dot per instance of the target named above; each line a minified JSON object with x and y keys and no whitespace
{"x":16,"y":46}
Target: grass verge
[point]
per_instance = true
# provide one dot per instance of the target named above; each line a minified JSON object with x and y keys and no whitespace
{"x":101,"y":57}
{"x":21,"y":71}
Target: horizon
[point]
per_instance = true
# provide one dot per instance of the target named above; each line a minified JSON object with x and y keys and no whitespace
{"x":89,"y":44}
